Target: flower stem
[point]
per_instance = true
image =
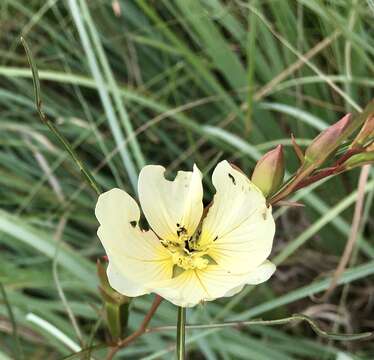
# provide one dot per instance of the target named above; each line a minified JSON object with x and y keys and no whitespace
{"x":86,"y":174}
{"x":181,"y":333}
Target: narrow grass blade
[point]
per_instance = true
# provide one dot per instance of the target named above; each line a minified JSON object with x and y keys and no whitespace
{"x":18,"y":352}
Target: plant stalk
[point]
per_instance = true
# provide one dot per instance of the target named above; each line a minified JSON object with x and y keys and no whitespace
{"x":181,"y":330}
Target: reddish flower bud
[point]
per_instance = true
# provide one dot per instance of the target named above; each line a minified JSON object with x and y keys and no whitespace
{"x":269,"y":171}
{"x":327,"y":142}
{"x":366,"y":134}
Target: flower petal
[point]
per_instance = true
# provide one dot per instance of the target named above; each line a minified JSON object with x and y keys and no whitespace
{"x":255,"y":277}
{"x":171,"y":207}
{"x":122,"y":284}
{"x":136,"y":257}
{"x":183,"y":290}
{"x":196,"y":286}
{"x":261,"y":274}
{"x":239,"y":228}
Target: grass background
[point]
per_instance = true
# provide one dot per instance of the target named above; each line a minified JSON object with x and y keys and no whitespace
{"x":173,"y":83}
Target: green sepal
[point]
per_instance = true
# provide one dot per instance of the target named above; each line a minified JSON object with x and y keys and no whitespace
{"x":359,"y":160}
{"x":116,"y":305}
{"x":117,"y":316}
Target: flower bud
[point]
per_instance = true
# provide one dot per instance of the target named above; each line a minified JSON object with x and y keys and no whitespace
{"x":269,"y":171}
{"x":327,"y":142}
{"x":366,"y":134}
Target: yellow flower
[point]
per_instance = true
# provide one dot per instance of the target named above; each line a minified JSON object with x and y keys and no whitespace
{"x":187,"y":258}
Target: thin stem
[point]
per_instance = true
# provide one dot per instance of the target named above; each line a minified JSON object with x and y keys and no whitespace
{"x":86,"y":174}
{"x":335,"y":169}
{"x":181,"y":331}
{"x":241,"y":324}
{"x":18,"y":352}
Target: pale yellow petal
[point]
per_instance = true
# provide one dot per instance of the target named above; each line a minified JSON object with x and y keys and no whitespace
{"x":136,"y":258}
{"x":172,"y":208}
{"x":184,"y":290}
{"x":235,"y":290}
{"x":225,"y":284}
{"x":257,"y":276}
{"x":239,"y":228}
{"x":196,"y":286}
{"x":261,"y":274}
{"x":122,"y":284}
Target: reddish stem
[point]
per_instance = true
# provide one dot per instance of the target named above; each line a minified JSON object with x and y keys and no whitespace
{"x":318,"y":176}
{"x":348,"y":154}
{"x":299,"y":182}
{"x":333,"y":170}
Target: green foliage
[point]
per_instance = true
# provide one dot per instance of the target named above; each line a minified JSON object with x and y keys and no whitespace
{"x":177,"y":83}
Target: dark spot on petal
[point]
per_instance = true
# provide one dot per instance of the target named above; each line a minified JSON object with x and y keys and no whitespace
{"x":181,"y":230}
{"x":133,"y":223}
{"x":232,"y":178}
{"x":215,"y":238}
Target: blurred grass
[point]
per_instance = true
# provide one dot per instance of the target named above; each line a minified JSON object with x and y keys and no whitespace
{"x":173,"y":83}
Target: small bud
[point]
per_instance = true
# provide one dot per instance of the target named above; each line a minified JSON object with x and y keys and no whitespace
{"x":269,"y":171}
{"x":366,"y":134}
{"x":327,"y":142}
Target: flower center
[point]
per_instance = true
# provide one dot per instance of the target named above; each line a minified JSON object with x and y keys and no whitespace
{"x":189,"y":252}
{"x":189,"y":261}
{"x":185,"y":254}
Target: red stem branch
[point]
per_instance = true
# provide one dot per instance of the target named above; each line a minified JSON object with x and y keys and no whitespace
{"x":300,"y":182}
